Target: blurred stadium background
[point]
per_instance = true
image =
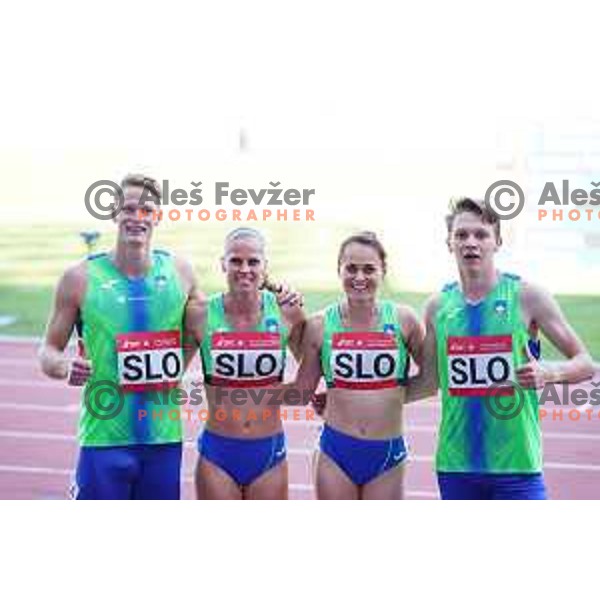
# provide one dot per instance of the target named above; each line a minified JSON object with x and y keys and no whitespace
{"x":397,"y":191}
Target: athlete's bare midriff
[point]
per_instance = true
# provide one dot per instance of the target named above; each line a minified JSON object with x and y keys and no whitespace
{"x":369,"y":414}
{"x":245,"y":412}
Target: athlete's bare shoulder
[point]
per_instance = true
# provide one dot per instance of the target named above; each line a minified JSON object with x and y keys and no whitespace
{"x":186,"y":273}
{"x":72,"y":284}
{"x":532,"y":292}
{"x":431,"y":307}
{"x":407,"y":315}
{"x":535,"y":300}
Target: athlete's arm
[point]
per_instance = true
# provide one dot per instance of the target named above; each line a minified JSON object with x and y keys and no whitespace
{"x":541,"y":308}
{"x":309,"y":370}
{"x":413,"y":333}
{"x":65,"y":312}
{"x":291,"y":306}
{"x":195,"y":311}
{"x":425,"y":384}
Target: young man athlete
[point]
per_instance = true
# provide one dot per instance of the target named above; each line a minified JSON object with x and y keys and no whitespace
{"x":481,"y":339}
{"x":128,"y":306}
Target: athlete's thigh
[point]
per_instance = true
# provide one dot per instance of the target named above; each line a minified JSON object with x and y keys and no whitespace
{"x":332,"y":483}
{"x":160,"y":478}
{"x":212,"y":483}
{"x":388,"y":486}
{"x":105,"y":473}
{"x":519,"y":487}
{"x":272,"y":485}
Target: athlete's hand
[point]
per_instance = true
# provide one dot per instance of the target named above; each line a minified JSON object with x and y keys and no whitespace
{"x":286,"y":296}
{"x":319,"y":401}
{"x":79,"y":371}
{"x":531,"y":374}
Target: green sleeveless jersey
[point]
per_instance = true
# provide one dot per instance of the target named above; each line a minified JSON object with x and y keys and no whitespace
{"x":364,"y":359}
{"x":244,"y":358}
{"x":131,"y":331}
{"x":487,"y":426}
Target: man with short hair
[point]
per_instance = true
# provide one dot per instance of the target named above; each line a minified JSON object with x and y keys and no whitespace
{"x":481,"y":350}
{"x":129,"y":306}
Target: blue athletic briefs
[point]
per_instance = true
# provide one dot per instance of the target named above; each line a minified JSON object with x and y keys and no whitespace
{"x":362,"y":460}
{"x":136,"y":472}
{"x":486,"y":486}
{"x":244,"y":460}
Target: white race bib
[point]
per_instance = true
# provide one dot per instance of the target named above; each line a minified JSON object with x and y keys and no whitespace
{"x":477,"y":363}
{"x":364,"y":360}
{"x":246,"y":358}
{"x":149,"y":360}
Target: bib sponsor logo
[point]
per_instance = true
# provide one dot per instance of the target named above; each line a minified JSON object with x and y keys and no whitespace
{"x":246,"y":359}
{"x":477,"y":363}
{"x":364,"y":360}
{"x":149,"y":360}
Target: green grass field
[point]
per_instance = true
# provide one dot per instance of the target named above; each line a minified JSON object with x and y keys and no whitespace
{"x":32,"y":259}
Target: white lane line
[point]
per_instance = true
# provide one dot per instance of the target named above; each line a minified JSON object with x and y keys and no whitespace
{"x":29,"y":383}
{"x":40,"y":435}
{"x":552,"y":466}
{"x":571,"y":467}
{"x":550,"y":435}
{"x":312,"y":427}
{"x":19,"y":339}
{"x":558,"y":466}
{"x":24,"y":470}
{"x":34,"y":435}
{"x":16,"y":406}
{"x":64,"y":437}
{"x":18,"y":362}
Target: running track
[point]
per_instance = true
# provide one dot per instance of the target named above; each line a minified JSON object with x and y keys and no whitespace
{"x":38,"y":447}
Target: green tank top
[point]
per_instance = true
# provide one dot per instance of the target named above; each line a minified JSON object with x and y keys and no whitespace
{"x":479,"y":346}
{"x":131,"y":332}
{"x":244,"y":358}
{"x":364,"y":359}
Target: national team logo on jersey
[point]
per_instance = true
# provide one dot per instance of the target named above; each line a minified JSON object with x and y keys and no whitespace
{"x":501,"y":308}
{"x":108,"y":285}
{"x":160,"y":281}
{"x":271,"y":325}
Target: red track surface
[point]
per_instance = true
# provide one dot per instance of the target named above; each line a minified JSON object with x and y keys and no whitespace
{"x":38,"y":447}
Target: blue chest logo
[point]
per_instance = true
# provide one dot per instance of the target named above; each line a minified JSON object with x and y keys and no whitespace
{"x":271,"y":325}
{"x":389,"y":329}
{"x":501,"y":308}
